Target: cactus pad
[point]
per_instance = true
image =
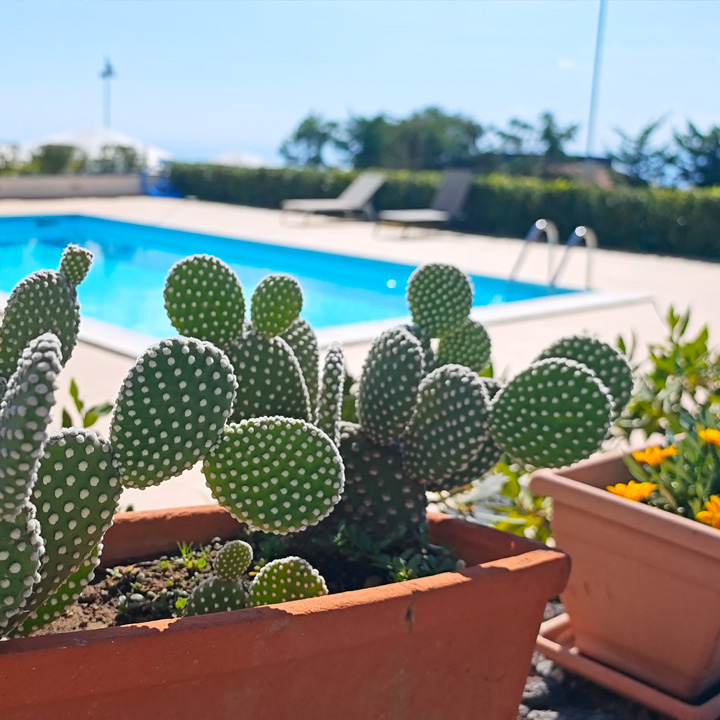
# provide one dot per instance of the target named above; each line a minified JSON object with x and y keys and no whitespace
{"x":276,"y":474}
{"x":290,"y":578}
{"x":329,"y":406}
{"x":75,"y":263}
{"x":170,"y":410}
{"x":21,"y":547}
{"x":440,"y":298}
{"x":448,"y":426}
{"x":215,"y":595}
{"x":204,"y":299}
{"x":394,"y":367}
{"x":270,"y":380}
{"x":63,"y":597}
{"x":24,"y":417}
{"x":469,"y":345}
{"x":554,"y":413}
{"x":3,"y":388}
{"x":302,"y":341}
{"x":604,"y":360}
{"x":233,"y":560}
{"x":378,"y":497}
{"x":276,"y":304}
{"x":44,"y":302}
{"x":76,"y":495}
{"x":426,"y":344}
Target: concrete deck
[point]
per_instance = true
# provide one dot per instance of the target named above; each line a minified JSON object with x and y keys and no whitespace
{"x":684,"y":283}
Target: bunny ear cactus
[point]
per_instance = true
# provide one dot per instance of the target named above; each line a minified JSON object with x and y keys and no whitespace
{"x":286,"y":579}
{"x":204,"y":299}
{"x":75,"y":263}
{"x":24,"y":417}
{"x":276,"y":304}
{"x":171,"y":410}
{"x":276,"y":474}
{"x":330,"y":401}
{"x":302,"y":341}
{"x":468,"y":345}
{"x":611,"y":367}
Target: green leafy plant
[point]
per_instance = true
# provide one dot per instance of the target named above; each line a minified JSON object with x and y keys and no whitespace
{"x":87,"y":416}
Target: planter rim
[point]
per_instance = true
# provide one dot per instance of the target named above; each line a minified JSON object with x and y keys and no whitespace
{"x":521,"y":555}
{"x":567,"y":486}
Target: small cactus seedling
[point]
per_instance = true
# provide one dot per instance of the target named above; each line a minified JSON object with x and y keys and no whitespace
{"x":290,"y":578}
{"x":222,"y":591}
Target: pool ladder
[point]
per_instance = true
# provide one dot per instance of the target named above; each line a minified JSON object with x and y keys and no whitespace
{"x":547,"y":229}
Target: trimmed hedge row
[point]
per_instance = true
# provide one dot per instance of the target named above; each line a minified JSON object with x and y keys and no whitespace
{"x":658,"y":220}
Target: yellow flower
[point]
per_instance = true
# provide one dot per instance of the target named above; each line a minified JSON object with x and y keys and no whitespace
{"x":711,"y":514}
{"x":633,"y":490}
{"x":654,"y":455}
{"x":711,"y":436}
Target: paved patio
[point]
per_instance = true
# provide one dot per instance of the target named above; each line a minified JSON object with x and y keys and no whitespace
{"x":515,"y":343}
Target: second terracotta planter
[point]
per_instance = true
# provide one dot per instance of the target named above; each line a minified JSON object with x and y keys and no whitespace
{"x":456,"y":645}
{"x":644,"y":592}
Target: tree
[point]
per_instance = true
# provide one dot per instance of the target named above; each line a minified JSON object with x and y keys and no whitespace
{"x":642,"y":163}
{"x":699,"y":157}
{"x":554,"y":137}
{"x":367,"y":142}
{"x":518,"y":138}
{"x":306,"y":143}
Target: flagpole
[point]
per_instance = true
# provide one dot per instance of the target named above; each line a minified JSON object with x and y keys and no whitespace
{"x":596,"y":78}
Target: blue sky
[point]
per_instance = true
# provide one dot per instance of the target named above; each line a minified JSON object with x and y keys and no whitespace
{"x":203,"y":77}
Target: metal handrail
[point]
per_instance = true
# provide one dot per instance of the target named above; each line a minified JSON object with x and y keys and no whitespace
{"x":584,"y":235}
{"x":541,"y":228}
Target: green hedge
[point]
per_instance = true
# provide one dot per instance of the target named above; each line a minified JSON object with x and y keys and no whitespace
{"x":666,"y":221}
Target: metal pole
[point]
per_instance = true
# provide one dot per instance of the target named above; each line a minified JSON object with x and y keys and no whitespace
{"x":596,"y":78}
{"x":107,"y":102}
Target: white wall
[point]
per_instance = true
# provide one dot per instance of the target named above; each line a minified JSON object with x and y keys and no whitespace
{"x":59,"y":186}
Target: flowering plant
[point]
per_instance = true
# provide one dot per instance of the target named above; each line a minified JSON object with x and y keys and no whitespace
{"x":682,"y":477}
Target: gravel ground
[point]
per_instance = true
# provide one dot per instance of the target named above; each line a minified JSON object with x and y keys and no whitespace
{"x":552,"y":693}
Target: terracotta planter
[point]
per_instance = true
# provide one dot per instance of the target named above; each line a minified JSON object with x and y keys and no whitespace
{"x":644,"y":592}
{"x":449,"y":646}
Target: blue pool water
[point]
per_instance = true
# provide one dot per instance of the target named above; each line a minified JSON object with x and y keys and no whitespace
{"x":125,"y":285}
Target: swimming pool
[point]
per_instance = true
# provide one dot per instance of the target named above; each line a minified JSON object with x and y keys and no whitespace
{"x":125,"y":285}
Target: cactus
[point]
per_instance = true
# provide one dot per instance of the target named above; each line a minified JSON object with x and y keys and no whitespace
{"x":440,"y":298}
{"x":276,"y":304}
{"x":75,"y":263}
{"x":469,"y":345}
{"x":302,"y":341}
{"x":3,"y":388}
{"x":44,"y":302}
{"x":21,"y":549}
{"x":275,"y":474}
{"x":170,"y":410}
{"x":604,"y":360}
{"x":448,"y":426}
{"x":329,"y":406}
{"x":222,"y":591}
{"x":555,"y":412}
{"x":290,"y":578}
{"x":24,"y":417}
{"x":393,"y":369}
{"x":204,"y":299}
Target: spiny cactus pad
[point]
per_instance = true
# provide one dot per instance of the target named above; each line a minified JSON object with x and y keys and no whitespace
{"x":275,"y":474}
{"x":554,"y":413}
{"x":170,"y":410}
{"x":276,"y":304}
{"x":604,"y":360}
{"x":24,"y":417}
{"x":270,"y":380}
{"x":21,"y":547}
{"x":204,"y":299}
{"x":76,"y":495}
{"x":469,"y":345}
{"x":302,"y":341}
{"x":378,"y":497}
{"x":440,"y":298}
{"x":290,"y":578}
{"x":3,"y":388}
{"x":393,"y":369}
{"x":331,"y":392}
{"x":426,"y":343}
{"x":448,"y":426}
{"x":63,"y":597}
{"x":75,"y":263}
{"x":215,"y":595}
{"x":44,"y":302}
{"x":233,"y":560}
